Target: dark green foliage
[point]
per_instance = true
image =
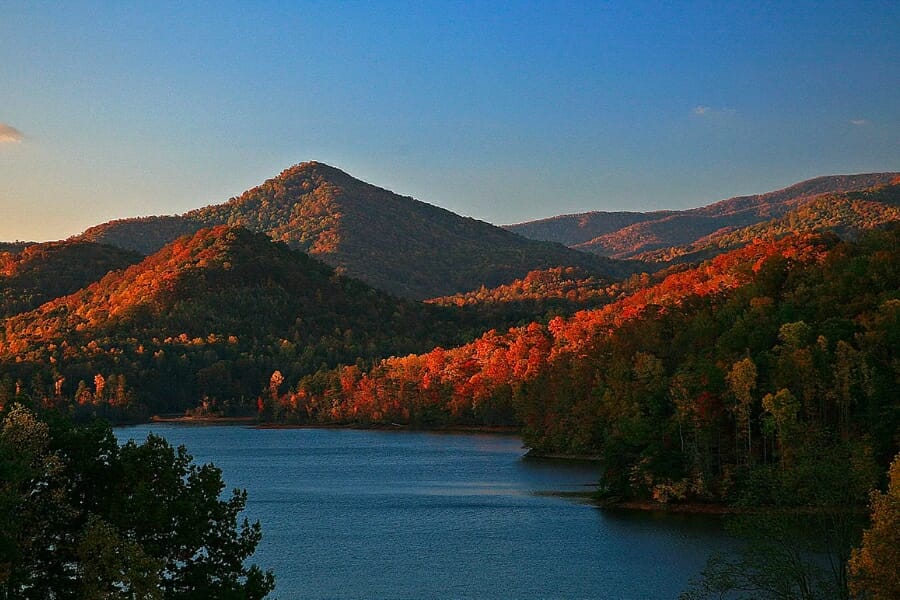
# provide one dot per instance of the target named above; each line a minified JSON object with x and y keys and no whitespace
{"x":799,"y":529}
{"x":86,"y":518}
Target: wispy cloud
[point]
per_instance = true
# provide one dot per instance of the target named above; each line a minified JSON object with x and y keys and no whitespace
{"x":707,"y":111}
{"x":859,"y":122}
{"x":9,"y":134}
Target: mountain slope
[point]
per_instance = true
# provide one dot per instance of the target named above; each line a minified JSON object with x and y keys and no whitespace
{"x":141,"y":234}
{"x":686,"y":390}
{"x":41,"y":272}
{"x":626,"y":235}
{"x":210,"y":315}
{"x":846,"y":214}
{"x":393,"y":242}
{"x":580,"y":228}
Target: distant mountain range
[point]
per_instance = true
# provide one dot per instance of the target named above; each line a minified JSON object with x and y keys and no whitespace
{"x":418,"y":251}
{"x":396,"y":243}
{"x":848,"y":214}
{"x":627,"y":235}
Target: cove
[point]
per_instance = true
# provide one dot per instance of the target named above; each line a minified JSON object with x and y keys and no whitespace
{"x":356,"y":514}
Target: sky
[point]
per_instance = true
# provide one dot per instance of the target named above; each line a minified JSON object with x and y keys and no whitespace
{"x":502,"y":111}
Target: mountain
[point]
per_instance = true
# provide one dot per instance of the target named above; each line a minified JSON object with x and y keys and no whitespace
{"x":40,"y":272}
{"x":480,"y":382}
{"x":141,"y":234}
{"x":212,"y":315}
{"x":396,"y":243}
{"x":627,"y":235}
{"x":847,"y":214}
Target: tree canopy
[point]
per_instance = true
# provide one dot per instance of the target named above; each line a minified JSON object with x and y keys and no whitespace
{"x":83,"y":517}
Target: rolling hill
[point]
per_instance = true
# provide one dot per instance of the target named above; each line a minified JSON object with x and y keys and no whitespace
{"x":212,"y":315}
{"x":396,"y":243}
{"x":847,"y":214}
{"x":628,"y":235}
{"x":41,"y":272}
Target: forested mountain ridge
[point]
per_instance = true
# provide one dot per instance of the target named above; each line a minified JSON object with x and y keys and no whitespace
{"x":687,"y":389}
{"x":41,"y":272}
{"x":396,"y":243}
{"x":207,"y":318}
{"x":627,"y":235}
{"x":480,"y":382}
{"x":847,"y":214}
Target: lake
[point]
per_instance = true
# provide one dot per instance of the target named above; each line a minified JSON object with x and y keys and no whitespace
{"x":351,"y":514}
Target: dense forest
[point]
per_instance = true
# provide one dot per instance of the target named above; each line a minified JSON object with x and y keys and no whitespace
{"x":764,"y":378}
{"x":206,"y":321}
{"x":685,"y":388}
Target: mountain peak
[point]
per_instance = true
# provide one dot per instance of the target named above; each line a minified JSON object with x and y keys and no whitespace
{"x":396,"y":243}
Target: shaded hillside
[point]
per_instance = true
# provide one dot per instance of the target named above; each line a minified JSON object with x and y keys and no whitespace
{"x":207,"y":317}
{"x":393,"y":242}
{"x":583,"y":227}
{"x":847,"y":214}
{"x":14,"y":247}
{"x":141,"y":234}
{"x":41,"y":272}
{"x":651,"y":231}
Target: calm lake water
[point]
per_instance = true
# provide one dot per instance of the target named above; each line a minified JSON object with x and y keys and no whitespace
{"x":350,"y":514}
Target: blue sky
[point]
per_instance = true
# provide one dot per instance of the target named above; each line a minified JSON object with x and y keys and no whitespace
{"x":503,"y":111}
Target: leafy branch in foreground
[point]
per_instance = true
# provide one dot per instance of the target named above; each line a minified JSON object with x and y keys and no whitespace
{"x":83,"y":517}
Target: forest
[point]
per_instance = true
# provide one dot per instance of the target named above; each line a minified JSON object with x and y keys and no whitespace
{"x":762,"y":379}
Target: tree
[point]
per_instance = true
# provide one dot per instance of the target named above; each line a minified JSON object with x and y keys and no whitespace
{"x":798,"y":526}
{"x":873,"y":566}
{"x":742,"y":379}
{"x":86,"y":518}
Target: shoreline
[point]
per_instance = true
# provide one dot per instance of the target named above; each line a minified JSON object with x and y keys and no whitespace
{"x":187,"y":420}
{"x":690,"y":508}
{"x":255,"y":423}
{"x":537,"y":455}
{"x":590,"y":496}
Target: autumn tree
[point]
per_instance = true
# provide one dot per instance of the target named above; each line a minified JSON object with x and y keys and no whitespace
{"x":875,"y":565}
{"x":742,"y":380}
